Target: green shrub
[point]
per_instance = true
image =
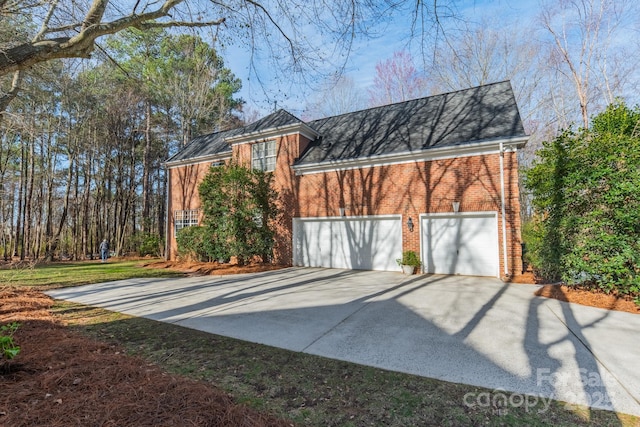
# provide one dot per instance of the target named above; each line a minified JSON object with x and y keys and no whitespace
{"x":191,"y":243}
{"x":149,"y":244}
{"x":409,"y":258}
{"x":240,"y":213}
{"x":533,"y":238}
{"x":8,"y":348}
{"x":585,"y":188}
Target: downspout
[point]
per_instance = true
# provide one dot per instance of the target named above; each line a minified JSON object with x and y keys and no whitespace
{"x":167,"y":216}
{"x":504,"y":220}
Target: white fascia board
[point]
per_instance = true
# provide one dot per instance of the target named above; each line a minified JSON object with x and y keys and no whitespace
{"x":427,"y":215}
{"x":462,"y":150}
{"x":347,"y":217}
{"x":197,"y":160}
{"x":280,"y":131}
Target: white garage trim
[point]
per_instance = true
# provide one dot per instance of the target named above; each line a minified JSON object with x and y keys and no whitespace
{"x":359,"y":243}
{"x":463,"y":243}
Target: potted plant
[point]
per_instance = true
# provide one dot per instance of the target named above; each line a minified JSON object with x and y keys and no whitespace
{"x":409,"y":262}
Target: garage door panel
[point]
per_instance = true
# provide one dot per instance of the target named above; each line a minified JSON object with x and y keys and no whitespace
{"x":352,"y":243}
{"x":460,"y":244}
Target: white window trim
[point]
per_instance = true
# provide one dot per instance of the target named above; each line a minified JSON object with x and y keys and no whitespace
{"x":261,"y":159}
{"x":185,"y":218}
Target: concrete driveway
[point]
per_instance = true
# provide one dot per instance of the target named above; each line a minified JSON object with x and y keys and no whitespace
{"x":470,"y":330}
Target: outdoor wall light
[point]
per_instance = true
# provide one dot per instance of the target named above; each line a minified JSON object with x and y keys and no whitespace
{"x":410,"y":224}
{"x":456,"y":206}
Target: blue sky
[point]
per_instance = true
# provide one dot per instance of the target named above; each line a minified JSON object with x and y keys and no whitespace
{"x":519,"y":18}
{"x":361,"y":64}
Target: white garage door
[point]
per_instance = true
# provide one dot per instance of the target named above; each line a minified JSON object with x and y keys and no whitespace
{"x":372,"y":243}
{"x":462,"y":243}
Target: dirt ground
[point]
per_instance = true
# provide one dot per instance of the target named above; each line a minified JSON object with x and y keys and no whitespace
{"x":62,"y":378}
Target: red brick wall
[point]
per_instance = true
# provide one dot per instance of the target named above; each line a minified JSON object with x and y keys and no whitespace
{"x":412,"y":189}
{"x":183,"y":195}
{"x":409,"y":189}
{"x":289,"y":148}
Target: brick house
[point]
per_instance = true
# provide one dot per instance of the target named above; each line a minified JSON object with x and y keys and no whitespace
{"x":437,"y":175}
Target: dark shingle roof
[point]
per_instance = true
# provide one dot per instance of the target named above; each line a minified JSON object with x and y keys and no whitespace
{"x":215,"y":143}
{"x":476,"y":114}
{"x":278,"y":119}
{"x":466,"y":116}
{"x":205,"y":145}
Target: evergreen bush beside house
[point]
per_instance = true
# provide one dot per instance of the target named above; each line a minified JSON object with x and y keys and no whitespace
{"x":239,"y":211}
{"x":585,"y":188}
{"x":192,"y":243}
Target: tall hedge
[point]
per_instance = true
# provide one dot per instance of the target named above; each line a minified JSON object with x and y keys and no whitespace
{"x":586,"y":195}
{"x":239,"y":207}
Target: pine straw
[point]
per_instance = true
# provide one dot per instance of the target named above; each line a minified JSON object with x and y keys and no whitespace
{"x":61,"y":378}
{"x":212,"y":268}
{"x":590,"y":297}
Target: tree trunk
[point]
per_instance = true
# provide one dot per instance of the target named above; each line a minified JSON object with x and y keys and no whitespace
{"x":146,"y":176}
{"x":23,"y":173}
{"x":86,"y":201}
{"x":55,"y":238}
{"x":76,"y":212}
{"x":27,"y":220}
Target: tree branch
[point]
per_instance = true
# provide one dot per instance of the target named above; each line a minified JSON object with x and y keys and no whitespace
{"x":6,"y":99}
{"x":145,"y":25}
{"x":82,"y":45}
{"x":275,"y":24}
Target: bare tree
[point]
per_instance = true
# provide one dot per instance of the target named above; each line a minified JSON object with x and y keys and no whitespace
{"x":78,"y":27}
{"x":397,"y":79}
{"x":338,"y":95}
{"x":481,"y":52}
{"x":581,"y":44}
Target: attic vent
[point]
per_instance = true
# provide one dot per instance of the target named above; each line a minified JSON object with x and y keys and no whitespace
{"x":325,"y":145}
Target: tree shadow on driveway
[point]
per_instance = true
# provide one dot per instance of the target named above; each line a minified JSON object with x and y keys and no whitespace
{"x":469,"y":330}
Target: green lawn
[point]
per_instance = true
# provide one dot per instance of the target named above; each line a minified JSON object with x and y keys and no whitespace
{"x":310,"y":390}
{"x":65,"y":274}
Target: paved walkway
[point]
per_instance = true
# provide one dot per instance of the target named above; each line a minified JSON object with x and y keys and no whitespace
{"x":470,"y":330}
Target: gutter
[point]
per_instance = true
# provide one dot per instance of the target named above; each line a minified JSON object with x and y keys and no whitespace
{"x":195,"y":160}
{"x":460,"y":150}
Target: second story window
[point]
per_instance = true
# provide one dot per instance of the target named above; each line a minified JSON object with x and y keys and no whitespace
{"x":263,"y":156}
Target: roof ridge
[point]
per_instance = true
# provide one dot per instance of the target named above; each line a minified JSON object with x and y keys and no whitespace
{"x":287,"y":112}
{"x":411,"y":100}
{"x":443,"y":120}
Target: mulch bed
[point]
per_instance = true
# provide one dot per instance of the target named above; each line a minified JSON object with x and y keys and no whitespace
{"x":61,"y":378}
{"x":589,"y":297}
{"x":583,"y":296}
{"x":211,"y":268}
